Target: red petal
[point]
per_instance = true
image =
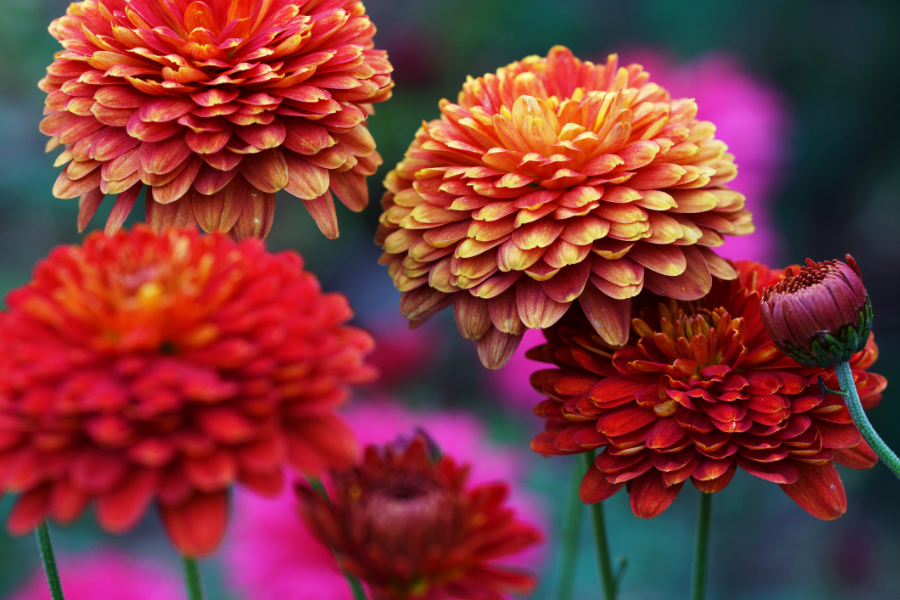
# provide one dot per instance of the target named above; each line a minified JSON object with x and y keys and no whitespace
{"x":625,"y":419}
{"x":87,"y":206}
{"x":780,"y":472}
{"x":67,"y":503}
{"x":351,"y":188}
{"x":196,"y":527}
{"x":256,"y":217}
{"x":120,"y":210}
{"x":694,"y":283}
{"x":160,"y":158}
{"x":120,"y":509}
{"x":650,"y":496}
{"x":536,"y":309}
{"x":305,"y":180}
{"x":859,"y":457}
{"x":611,"y":318}
{"x":30,"y":509}
{"x":569,"y":283}
{"x":496,"y":348}
{"x":177,"y":214}
{"x":819,"y":491}
{"x":268,"y":485}
{"x":595,"y":487}
{"x":322,"y":210}
{"x":221,"y":210}
{"x":318,"y":444}
{"x":266,"y":171}
{"x":717,"y":484}
{"x":664,"y":433}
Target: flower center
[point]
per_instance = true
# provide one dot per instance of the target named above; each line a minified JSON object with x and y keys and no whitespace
{"x":812,"y":274}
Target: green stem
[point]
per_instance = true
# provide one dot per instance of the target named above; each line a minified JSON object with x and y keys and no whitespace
{"x":46,"y":548}
{"x":571,"y":531}
{"x":701,"y":548}
{"x":192,"y":579}
{"x":607,"y":579}
{"x":848,"y":386}
{"x":359,"y":592}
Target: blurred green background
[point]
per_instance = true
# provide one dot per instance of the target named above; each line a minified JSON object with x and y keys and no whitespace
{"x":837,"y":63}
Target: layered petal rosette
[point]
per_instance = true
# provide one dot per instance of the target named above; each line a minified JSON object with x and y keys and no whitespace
{"x":214,"y":106}
{"x":164,"y":368}
{"x":700,"y":390}
{"x":409,"y":525}
{"x":557,"y":180}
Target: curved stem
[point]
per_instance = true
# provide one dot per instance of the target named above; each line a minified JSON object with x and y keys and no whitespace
{"x":607,"y":579}
{"x":192,"y":579}
{"x":46,"y":549}
{"x":851,"y":397}
{"x":571,"y":531}
{"x":701,"y":548}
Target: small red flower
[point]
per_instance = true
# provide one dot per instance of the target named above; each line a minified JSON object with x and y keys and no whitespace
{"x":699,"y":390}
{"x":163,"y":368}
{"x":820,"y":315}
{"x":409,"y":527}
{"x":214,"y":105}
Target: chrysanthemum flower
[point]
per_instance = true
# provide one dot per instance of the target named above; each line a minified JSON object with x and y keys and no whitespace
{"x":270,"y":553}
{"x":699,"y":390}
{"x":552,"y":181}
{"x":409,"y":526}
{"x":163,"y":368}
{"x":214,"y":106}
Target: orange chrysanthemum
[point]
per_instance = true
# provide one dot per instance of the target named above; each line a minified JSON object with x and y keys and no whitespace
{"x":164,"y":368}
{"x":699,"y":390}
{"x":552,"y":181}
{"x":410,"y":526}
{"x":215,"y":106}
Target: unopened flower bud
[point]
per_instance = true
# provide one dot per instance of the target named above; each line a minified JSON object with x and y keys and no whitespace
{"x":820,"y":315}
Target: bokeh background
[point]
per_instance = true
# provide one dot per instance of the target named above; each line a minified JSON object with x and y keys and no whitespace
{"x":805,"y":93}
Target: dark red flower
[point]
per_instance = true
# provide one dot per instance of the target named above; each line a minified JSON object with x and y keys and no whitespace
{"x":820,"y":315}
{"x":163,"y":368}
{"x":699,"y":390}
{"x":214,"y":106}
{"x":409,"y":527}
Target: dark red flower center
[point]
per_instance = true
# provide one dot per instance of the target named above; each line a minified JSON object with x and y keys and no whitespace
{"x":812,"y":274}
{"x":407,"y":501}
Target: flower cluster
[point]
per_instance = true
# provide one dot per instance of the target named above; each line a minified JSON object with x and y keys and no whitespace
{"x":552,"y":181}
{"x":164,"y":368}
{"x":214,"y":106}
{"x":700,"y":390}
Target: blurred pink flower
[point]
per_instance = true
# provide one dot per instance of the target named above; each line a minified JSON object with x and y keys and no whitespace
{"x":107,"y":575}
{"x":402,"y":353}
{"x":751,"y":118}
{"x":271,"y":554}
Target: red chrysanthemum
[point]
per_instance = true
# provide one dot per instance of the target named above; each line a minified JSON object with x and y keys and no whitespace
{"x":410,"y":527}
{"x":699,"y":390}
{"x":215,"y":106}
{"x":164,"y":368}
{"x":557,"y":180}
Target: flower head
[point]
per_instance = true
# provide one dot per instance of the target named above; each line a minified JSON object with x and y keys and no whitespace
{"x":699,"y":390}
{"x":819,"y":315}
{"x":552,"y":181}
{"x":163,"y":368}
{"x":106,"y":575}
{"x":408,"y":525}
{"x":215,"y":106}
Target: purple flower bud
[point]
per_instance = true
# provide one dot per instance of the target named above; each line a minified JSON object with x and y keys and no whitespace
{"x":820,"y":314}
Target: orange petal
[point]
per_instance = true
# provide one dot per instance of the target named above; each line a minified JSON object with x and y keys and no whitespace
{"x":120,"y":210}
{"x":537,"y":310}
{"x":256,"y":217}
{"x":610,"y":318}
{"x":694,"y":283}
{"x":496,"y":348}
{"x":322,"y":211}
{"x":221,"y":210}
{"x":306,"y":180}
{"x":472,"y":317}
{"x":87,"y":206}
{"x":818,"y":490}
{"x":266,"y":171}
{"x":650,"y":496}
{"x":351,"y":188}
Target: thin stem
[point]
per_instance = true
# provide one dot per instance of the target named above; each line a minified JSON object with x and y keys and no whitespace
{"x":571,"y":531}
{"x":359,"y":592}
{"x":607,"y":579}
{"x":192,"y":579}
{"x":46,"y":548}
{"x":848,"y":386}
{"x":701,"y":548}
